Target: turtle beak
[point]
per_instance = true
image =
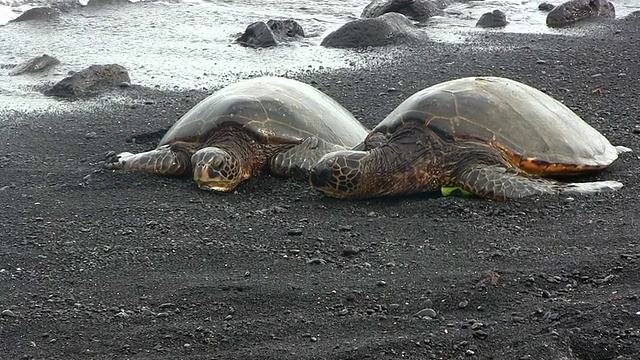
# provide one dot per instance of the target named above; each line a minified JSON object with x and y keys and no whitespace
{"x":339,"y":174}
{"x":320,"y":175}
{"x":210,"y":172}
{"x":209,"y":179}
{"x":324,"y":178}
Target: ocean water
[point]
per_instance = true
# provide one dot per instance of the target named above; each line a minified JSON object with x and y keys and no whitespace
{"x":189,"y":44}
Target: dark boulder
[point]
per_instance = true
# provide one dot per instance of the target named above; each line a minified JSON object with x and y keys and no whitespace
{"x":285,"y":28}
{"x":257,"y":35}
{"x":38,"y":14}
{"x":633,"y":16}
{"x":418,"y":10}
{"x":573,"y":11}
{"x":387,"y":29}
{"x":36,"y":64}
{"x":261,"y":35}
{"x":89,"y":80}
{"x":493,"y":19}
{"x":545,"y":6}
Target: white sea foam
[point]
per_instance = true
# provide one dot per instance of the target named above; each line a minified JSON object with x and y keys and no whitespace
{"x":190,"y":43}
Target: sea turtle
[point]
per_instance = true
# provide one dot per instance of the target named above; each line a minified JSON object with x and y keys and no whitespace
{"x":265,"y":123}
{"x":492,"y":137}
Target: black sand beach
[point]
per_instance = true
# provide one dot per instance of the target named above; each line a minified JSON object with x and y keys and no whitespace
{"x":97,"y":264}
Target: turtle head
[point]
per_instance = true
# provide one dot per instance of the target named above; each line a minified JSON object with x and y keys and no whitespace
{"x":215,"y":169}
{"x":339,"y":174}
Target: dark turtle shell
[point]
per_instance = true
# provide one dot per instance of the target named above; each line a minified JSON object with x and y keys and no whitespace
{"x":274,"y":110}
{"x":540,"y":134}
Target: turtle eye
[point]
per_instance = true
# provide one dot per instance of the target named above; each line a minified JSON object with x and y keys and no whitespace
{"x":217,"y":162}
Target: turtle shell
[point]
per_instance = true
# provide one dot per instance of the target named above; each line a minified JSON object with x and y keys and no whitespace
{"x":538,"y":133}
{"x":273,"y":110}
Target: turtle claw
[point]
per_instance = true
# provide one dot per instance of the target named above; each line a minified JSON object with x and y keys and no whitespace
{"x":117,"y":162}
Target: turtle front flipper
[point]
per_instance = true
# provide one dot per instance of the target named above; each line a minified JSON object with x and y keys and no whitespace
{"x":161,"y":161}
{"x":499,"y":183}
{"x":297,"y":161}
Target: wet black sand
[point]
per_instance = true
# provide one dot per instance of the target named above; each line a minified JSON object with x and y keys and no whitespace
{"x":117,"y":265}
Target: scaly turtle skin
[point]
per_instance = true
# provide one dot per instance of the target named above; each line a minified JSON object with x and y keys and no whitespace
{"x":493,"y":137}
{"x":267,"y":123}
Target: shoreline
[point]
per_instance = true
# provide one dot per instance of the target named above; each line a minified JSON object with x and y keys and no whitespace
{"x":97,"y":264}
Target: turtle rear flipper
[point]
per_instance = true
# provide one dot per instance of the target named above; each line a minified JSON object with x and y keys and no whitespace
{"x":161,"y":161}
{"x":297,"y":161}
{"x":590,"y":187}
{"x":498,"y":183}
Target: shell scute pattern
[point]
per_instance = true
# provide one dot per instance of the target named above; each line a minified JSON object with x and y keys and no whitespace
{"x":537,"y":132}
{"x":274,"y":110}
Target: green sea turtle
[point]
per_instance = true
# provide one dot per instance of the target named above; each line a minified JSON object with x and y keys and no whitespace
{"x":268,"y":123}
{"x":492,"y":137}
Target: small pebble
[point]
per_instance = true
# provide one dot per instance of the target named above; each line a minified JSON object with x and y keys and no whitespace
{"x":278,"y":209}
{"x":426,"y":312}
{"x":350,"y":250}
{"x":546,"y":294}
{"x":91,"y":135}
{"x":146,"y":311}
{"x":480,"y":334}
{"x":122,"y":314}
{"x":381,"y":283}
{"x":345,"y":227}
{"x":427,"y":304}
{"x":8,"y":313}
{"x":636,"y":129}
{"x":463,"y":304}
{"x":540,"y":61}
{"x":316,"y":261}
{"x":294,"y":232}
